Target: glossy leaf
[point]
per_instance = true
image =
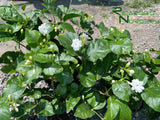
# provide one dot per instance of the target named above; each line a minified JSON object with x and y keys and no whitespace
{"x":71,"y":102}
{"x":43,"y":58}
{"x":152,"y":97}
{"x":122,"y":90}
{"x":4,"y":111}
{"x":97,"y":101}
{"x":112,"y":109}
{"x":44,"y":108}
{"x":66,"y":41}
{"x":121,"y":46}
{"x":53,"y":69}
{"x":65,"y":59}
{"x":83,"y":111}
{"x":97,"y":49}
{"x":102,"y":29}
{"x":15,"y":91}
{"x":33,"y":38}
{"x":67,"y":26}
{"x":61,"y":90}
{"x":140,"y":74}
{"x":88,"y":79}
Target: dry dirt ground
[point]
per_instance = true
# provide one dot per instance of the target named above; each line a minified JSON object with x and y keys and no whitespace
{"x":144,"y":36}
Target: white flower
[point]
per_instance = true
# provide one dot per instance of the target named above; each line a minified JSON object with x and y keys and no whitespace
{"x":76,"y":44}
{"x":84,"y":36}
{"x":131,"y":72}
{"x":44,"y":28}
{"x":137,"y":85}
{"x":113,"y":81}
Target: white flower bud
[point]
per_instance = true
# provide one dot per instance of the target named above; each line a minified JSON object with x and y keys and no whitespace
{"x":44,"y":40}
{"x":21,"y":31}
{"x":34,"y":70}
{"x":118,"y":27}
{"x":146,"y":50}
{"x":51,"y":47}
{"x":122,"y":71}
{"x":128,"y":64}
{"x":16,"y":109}
{"x":9,"y":97}
{"x":131,"y":72}
{"x":112,"y":29}
{"x":30,"y":57}
{"x":122,"y":31}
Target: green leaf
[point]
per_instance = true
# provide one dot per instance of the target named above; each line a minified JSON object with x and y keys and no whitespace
{"x":16,"y":27}
{"x":122,"y":90}
{"x":35,"y":94}
{"x":53,"y":69}
{"x":97,"y":49}
{"x":83,"y":111}
{"x":47,"y":48}
{"x":88,"y":79}
{"x":66,"y":41}
{"x":9,"y":69}
{"x":60,"y":107}
{"x":102,"y":29}
{"x":112,"y":109}
{"x":72,"y":14}
{"x":122,"y":46}
{"x":44,"y":108}
{"x":15,"y":91}
{"x":43,"y":58}
{"x":55,"y":11}
{"x":97,"y":101}
{"x":67,"y":26}
{"x":10,"y":13}
{"x":15,"y":81}
{"x":65,"y":59}
{"x":30,"y":71}
{"x":63,"y":9}
{"x":152,"y":97}
{"x":74,"y":87}
{"x":102,"y":66}
{"x":61,"y":90}
{"x":65,"y":77}
{"x":4,"y":111}
{"x":71,"y":102}
{"x":33,"y":38}
{"x":24,"y":111}
{"x":123,"y":110}
{"x":9,"y":56}
{"x":4,"y":37}
{"x":140,"y":74}
{"x":33,"y":73}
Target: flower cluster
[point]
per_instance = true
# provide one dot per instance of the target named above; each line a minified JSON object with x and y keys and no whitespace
{"x":137,"y":85}
{"x":84,"y":36}
{"x":76,"y":44}
{"x":44,"y":28}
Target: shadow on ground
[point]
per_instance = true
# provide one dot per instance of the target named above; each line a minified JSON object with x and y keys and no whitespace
{"x":38,"y":3}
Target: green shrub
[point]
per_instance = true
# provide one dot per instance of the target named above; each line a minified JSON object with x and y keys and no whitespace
{"x":84,"y":74}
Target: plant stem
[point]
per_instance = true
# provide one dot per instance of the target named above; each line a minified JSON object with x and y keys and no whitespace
{"x":53,"y":86}
{"x":69,"y":5}
{"x":97,"y":114}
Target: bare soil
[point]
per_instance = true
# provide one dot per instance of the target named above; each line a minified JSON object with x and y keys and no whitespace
{"x":144,"y":36}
